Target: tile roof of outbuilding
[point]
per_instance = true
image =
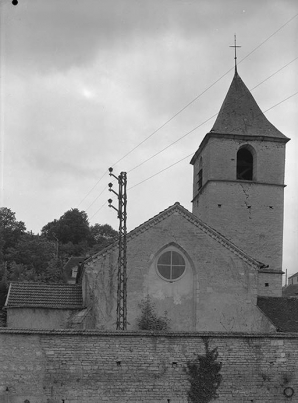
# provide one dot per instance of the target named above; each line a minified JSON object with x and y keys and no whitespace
{"x":40,"y":295}
{"x":240,"y":114}
{"x":283,"y":312}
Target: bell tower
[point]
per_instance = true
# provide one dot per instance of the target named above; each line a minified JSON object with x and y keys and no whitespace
{"x":238,"y":186}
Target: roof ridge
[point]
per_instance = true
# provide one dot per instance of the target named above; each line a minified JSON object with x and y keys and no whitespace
{"x":221,"y":238}
{"x":43,"y":284}
{"x":131,"y":233}
{"x":195,"y":220}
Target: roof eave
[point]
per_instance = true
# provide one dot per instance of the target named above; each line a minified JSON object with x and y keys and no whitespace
{"x":26,"y":306}
{"x":243,"y":137}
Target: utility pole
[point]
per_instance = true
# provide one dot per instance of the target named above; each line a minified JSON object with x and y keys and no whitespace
{"x":122,"y":259}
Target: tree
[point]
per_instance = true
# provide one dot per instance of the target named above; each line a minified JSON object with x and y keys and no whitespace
{"x":105,"y":231}
{"x":204,"y":377}
{"x":50,"y":230}
{"x":53,"y":273}
{"x":75,"y":236}
{"x":26,"y":256}
{"x":69,"y":249}
{"x":3,"y":284}
{"x":101,"y":236}
{"x":72,"y":226}
{"x":32,"y":251}
{"x":11,"y":232}
{"x":149,"y":319}
{"x":20,"y":272}
{"x":11,"y":229}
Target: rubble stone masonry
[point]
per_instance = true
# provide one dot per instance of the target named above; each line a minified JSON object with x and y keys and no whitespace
{"x":90,"y":366}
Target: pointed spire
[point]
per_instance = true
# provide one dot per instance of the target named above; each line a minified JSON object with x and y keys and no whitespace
{"x":240,"y":114}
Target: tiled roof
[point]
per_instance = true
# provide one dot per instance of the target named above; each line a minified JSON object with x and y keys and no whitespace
{"x":290,"y":291}
{"x":293,"y":275}
{"x":2,"y":318}
{"x":283,"y":312}
{"x":177,"y":208}
{"x":240,"y":114}
{"x":38,"y":295}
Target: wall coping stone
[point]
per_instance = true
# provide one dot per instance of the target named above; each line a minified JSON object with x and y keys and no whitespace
{"x":100,"y":333}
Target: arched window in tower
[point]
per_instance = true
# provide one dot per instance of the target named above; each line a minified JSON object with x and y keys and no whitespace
{"x":244,"y":164}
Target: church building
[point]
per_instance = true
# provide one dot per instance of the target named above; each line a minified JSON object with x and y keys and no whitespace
{"x":217,"y":268}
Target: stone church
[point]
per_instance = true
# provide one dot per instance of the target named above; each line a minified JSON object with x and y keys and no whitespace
{"x":217,"y":268}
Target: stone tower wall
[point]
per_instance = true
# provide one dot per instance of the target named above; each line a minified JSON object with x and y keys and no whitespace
{"x":249,"y":213}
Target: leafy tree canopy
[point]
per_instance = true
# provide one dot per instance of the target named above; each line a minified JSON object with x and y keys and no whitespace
{"x":33,"y":251}
{"x":72,"y":226}
{"x":25,"y":256}
{"x":10,"y":229}
{"x":105,"y":231}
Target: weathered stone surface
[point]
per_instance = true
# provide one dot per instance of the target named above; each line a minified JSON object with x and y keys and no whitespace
{"x":90,"y":366}
{"x":217,"y":292}
{"x":249,"y":213}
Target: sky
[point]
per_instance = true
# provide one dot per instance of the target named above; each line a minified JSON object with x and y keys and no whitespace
{"x":88,"y":84}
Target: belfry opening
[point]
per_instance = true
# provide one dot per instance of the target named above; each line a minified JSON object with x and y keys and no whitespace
{"x":244,"y":164}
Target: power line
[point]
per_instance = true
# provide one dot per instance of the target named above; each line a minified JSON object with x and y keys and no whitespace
{"x":99,"y":209}
{"x":159,"y":172}
{"x":186,"y":134}
{"x":201,"y":124}
{"x":186,"y":106}
{"x":99,"y":180}
{"x":295,"y":93}
{"x":198,"y":96}
{"x":96,"y":198}
{"x":274,"y":73}
{"x":269,"y":37}
{"x":176,"y":114}
{"x":187,"y":156}
{"x":174,"y":142}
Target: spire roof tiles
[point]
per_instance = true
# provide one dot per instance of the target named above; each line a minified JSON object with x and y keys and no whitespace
{"x":241,"y":115}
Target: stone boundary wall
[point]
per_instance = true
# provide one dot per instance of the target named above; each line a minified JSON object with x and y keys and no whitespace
{"x":40,"y":366}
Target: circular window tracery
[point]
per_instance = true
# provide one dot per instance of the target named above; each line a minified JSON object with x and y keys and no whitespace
{"x":171,"y":265}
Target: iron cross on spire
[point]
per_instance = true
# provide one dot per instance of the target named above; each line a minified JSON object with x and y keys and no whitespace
{"x":235,"y":47}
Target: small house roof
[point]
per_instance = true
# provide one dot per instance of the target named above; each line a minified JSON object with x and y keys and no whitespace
{"x":40,"y":295}
{"x":283,"y":312}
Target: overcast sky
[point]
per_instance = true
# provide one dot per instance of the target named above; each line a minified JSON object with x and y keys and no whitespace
{"x":83,"y":82}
